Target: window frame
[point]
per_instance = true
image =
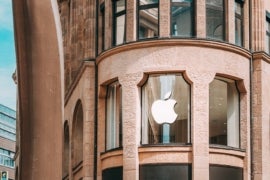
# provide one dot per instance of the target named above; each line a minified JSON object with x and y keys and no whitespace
{"x":268,"y":31}
{"x":224,"y":79}
{"x":193,"y":19}
{"x":120,"y":137}
{"x":145,"y":7}
{"x":224,"y":28}
{"x":116,"y":15}
{"x":189,"y":130}
{"x":241,"y":18}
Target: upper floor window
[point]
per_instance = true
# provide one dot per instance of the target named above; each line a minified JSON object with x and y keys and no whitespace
{"x":102,"y":14}
{"x":148,"y":22}
{"x":182,"y":18}
{"x":224,"y":112}
{"x":215,"y":23}
{"x":119,"y":21}
{"x":114,"y":116}
{"x":267,"y":39}
{"x":165,"y":110}
{"x":238,"y":9}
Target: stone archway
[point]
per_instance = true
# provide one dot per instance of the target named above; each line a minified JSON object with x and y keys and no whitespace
{"x":40,"y":88}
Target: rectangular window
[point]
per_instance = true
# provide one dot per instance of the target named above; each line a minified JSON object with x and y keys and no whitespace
{"x":115,"y":173}
{"x":148,"y":22}
{"x":102,"y":12}
{"x":114,"y":116}
{"x":119,"y":22}
{"x":215,"y":23}
{"x":182,"y":18}
{"x":238,"y":9}
{"x":166,"y":171}
{"x":267,"y":39}
{"x":225,"y":172}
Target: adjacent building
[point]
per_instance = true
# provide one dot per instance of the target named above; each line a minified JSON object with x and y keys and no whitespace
{"x":144,"y":89}
{"x":7,"y":142}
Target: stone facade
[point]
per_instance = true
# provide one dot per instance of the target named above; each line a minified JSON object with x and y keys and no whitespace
{"x":82,"y":116}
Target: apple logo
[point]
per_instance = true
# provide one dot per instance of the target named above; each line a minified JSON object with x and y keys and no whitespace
{"x":163,"y":110}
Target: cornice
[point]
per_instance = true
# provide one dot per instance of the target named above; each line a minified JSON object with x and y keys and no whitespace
{"x":261,"y":55}
{"x":174,"y":42}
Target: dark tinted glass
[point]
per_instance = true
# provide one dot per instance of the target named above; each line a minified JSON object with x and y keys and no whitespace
{"x":165,"y":172}
{"x":113,"y":173}
{"x":225,"y":173}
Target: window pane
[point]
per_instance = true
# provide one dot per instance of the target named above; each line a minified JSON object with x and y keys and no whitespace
{"x":120,"y":5}
{"x":144,"y":2}
{"x":215,"y":19}
{"x":225,"y":173}
{"x":148,"y":23}
{"x":238,"y":32}
{"x":115,"y":173}
{"x":120,"y":29}
{"x":223,"y":113}
{"x":166,"y":172}
{"x":267,"y":38}
{"x":238,"y":24}
{"x":171,"y":124}
{"x":182,"y":18}
{"x":113,"y":117}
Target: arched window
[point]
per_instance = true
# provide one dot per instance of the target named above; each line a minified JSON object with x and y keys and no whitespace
{"x":224,"y":112}
{"x":66,"y":150}
{"x":165,"y":110}
{"x":77,"y":135}
{"x":114,"y":116}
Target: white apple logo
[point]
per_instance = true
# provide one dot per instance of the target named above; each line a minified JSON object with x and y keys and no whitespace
{"x":163,"y":110}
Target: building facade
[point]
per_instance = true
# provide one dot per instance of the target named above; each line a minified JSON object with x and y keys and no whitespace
{"x":153,"y":89}
{"x":7,"y":142}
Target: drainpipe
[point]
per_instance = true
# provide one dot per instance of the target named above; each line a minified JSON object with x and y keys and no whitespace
{"x":251,"y":91}
{"x":96,"y":95}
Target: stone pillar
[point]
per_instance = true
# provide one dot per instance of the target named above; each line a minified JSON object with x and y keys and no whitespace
{"x":200,"y":124}
{"x":258,"y":25}
{"x":230,"y":21}
{"x":131,"y":23}
{"x":164,"y":21}
{"x":200,"y":18}
{"x":40,"y":85}
{"x":89,"y":122}
{"x":131,"y":125}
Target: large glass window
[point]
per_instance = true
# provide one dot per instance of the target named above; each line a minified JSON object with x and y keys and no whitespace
{"x":166,"y":171}
{"x":6,"y":158}
{"x":182,"y":18}
{"x":166,"y":110}
{"x":119,"y":21}
{"x":215,"y":24}
{"x":148,"y":18}
{"x":217,"y":172}
{"x":267,"y":39}
{"x":115,"y":173}
{"x":114,"y":116}
{"x":238,"y":9}
{"x":224,"y":112}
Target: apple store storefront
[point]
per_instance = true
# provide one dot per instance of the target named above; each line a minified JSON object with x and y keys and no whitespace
{"x":166,"y":121}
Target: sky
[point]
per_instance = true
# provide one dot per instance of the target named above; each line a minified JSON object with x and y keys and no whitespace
{"x":7,"y":55}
